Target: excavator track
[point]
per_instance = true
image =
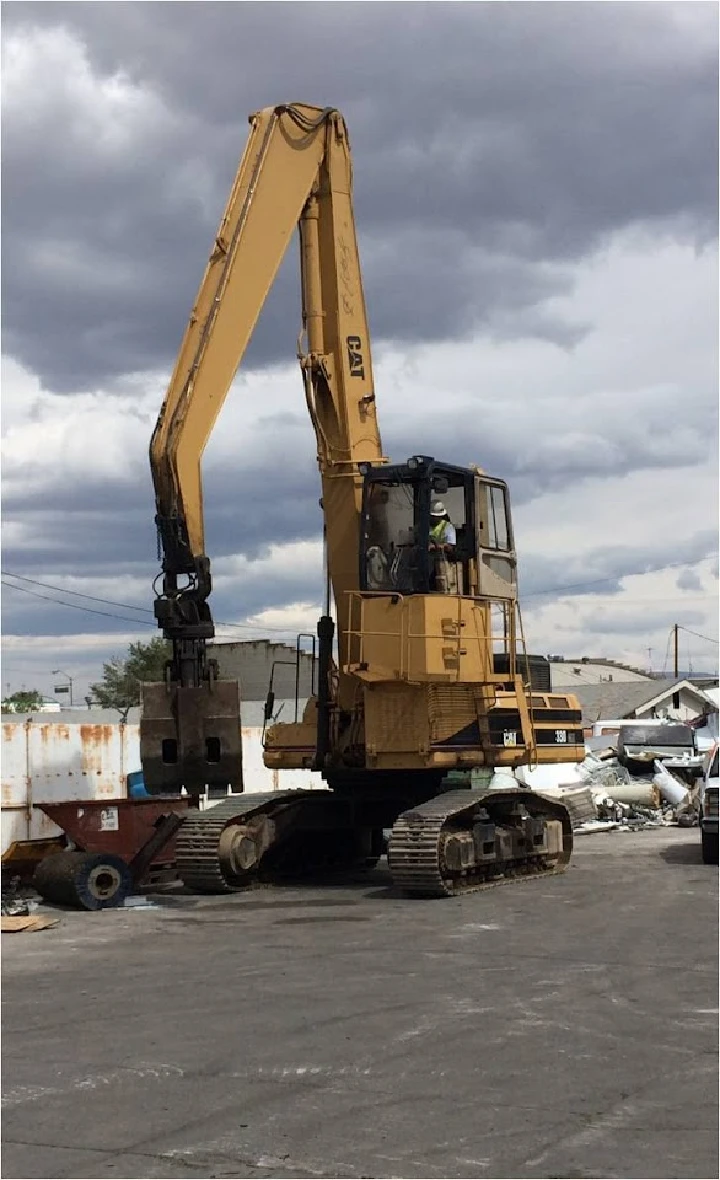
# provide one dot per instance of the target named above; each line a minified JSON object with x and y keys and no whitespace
{"x":417,"y":848}
{"x":434,"y":848}
{"x":200,"y":863}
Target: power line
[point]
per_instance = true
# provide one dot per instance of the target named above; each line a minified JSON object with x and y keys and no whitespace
{"x":122,"y":618}
{"x":122,"y":605}
{"x":75,"y":606}
{"x":288,"y":631}
{"x":699,"y":636}
{"x":656,"y":598}
{"x":529,"y":594}
{"x":76,"y":593}
{"x":125,"y":619}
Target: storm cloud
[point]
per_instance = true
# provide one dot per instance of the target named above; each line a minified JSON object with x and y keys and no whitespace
{"x":494,"y":146}
{"x":536,"y":199}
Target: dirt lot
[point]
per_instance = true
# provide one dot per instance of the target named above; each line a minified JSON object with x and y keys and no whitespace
{"x":566,"y":1028}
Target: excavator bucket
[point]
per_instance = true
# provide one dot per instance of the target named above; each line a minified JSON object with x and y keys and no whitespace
{"x":191,"y":738}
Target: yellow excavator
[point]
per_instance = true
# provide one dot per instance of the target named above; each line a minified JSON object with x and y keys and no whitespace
{"x":422,"y":676}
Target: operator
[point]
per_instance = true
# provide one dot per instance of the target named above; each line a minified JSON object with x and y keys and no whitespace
{"x":442,"y":530}
{"x":443,"y":575}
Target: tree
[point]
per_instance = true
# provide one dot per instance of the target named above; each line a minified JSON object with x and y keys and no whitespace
{"x":121,"y":680}
{"x":27,"y":700}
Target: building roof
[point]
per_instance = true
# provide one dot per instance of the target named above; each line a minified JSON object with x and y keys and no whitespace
{"x":251,"y":714}
{"x":600,"y":662}
{"x":622,"y":699}
{"x":75,"y":716}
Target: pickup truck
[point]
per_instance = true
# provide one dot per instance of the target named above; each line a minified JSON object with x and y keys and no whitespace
{"x":708,"y":803}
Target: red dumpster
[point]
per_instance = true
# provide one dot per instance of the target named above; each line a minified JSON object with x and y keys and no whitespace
{"x":118,"y":826}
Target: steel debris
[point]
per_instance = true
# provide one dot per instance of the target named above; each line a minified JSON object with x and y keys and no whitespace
{"x":603,"y":795}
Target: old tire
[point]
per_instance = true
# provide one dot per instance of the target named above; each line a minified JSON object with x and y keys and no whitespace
{"x":709,"y":847}
{"x":84,"y":880}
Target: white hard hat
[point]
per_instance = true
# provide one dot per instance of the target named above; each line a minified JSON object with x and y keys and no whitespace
{"x":438,"y":508}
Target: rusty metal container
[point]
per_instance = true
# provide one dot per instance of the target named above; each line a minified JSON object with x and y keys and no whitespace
{"x":85,"y":756}
{"x":47,"y":761}
{"x":118,"y":826}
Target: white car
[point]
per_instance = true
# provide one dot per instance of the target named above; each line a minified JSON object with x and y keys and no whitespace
{"x":709,"y":806}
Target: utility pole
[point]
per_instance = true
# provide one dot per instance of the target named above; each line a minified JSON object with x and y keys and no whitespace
{"x":675,"y":663}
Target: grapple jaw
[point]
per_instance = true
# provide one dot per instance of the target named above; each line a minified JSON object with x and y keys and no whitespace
{"x":191,"y":737}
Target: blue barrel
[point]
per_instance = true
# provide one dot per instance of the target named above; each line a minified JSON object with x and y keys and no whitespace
{"x":136,"y":785}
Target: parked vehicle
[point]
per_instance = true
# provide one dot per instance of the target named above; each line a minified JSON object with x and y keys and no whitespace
{"x":709,"y":806}
{"x":639,"y":745}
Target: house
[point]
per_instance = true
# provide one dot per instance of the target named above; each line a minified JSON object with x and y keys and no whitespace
{"x":677,"y":700}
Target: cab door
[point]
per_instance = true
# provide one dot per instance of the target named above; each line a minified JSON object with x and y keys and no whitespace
{"x":496,"y":559}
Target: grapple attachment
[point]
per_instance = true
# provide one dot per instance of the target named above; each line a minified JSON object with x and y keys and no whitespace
{"x":191,"y":737}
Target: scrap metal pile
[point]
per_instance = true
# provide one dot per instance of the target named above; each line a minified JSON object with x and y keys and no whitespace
{"x":602,"y":794}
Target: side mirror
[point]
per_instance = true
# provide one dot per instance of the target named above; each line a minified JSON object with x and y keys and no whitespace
{"x":269,"y":705}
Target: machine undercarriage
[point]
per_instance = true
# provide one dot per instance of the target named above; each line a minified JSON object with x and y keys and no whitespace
{"x":456,"y":842}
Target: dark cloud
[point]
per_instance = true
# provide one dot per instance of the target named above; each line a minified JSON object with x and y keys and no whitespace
{"x":243,"y":594}
{"x":556,"y":457}
{"x":31,"y":609}
{"x":101,"y":526}
{"x":42,"y":608}
{"x":688,"y":580}
{"x":494,"y":144}
{"x":104,"y":525}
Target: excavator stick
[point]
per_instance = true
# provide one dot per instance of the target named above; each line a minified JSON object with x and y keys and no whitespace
{"x":190,"y":737}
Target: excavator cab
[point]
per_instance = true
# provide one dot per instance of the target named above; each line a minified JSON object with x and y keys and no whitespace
{"x":400,"y":515}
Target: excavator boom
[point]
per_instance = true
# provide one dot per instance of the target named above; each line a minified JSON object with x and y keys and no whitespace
{"x":296,"y":171}
{"x":293,"y":152}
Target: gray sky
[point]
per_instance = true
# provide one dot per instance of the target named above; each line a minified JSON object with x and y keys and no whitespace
{"x":536,"y":197}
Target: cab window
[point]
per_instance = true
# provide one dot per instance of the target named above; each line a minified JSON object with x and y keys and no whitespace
{"x":391,"y":532}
